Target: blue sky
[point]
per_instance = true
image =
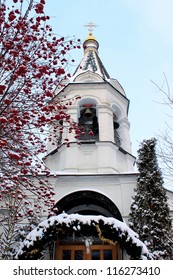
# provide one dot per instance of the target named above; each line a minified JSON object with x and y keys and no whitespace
{"x":136,"y":47}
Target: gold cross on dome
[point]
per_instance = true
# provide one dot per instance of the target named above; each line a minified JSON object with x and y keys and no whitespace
{"x":90,"y":26}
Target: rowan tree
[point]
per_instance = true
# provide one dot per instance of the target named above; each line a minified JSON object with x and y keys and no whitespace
{"x":149,"y":215}
{"x":33,"y":63}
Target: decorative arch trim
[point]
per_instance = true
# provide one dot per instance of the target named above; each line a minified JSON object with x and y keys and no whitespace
{"x":88,"y":76}
{"x":89,"y":201}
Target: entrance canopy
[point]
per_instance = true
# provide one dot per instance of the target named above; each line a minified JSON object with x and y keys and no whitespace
{"x":109,"y":230}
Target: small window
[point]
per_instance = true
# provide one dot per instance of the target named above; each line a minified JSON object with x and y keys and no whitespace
{"x":107,"y":254}
{"x":78,"y":255}
{"x":95,"y":255}
{"x":66,"y":255}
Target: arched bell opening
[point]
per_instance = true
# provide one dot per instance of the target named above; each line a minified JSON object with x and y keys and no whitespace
{"x":88,"y":119}
{"x":88,"y":122}
{"x":116,"y":124}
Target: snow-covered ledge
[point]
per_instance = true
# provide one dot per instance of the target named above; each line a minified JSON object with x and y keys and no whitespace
{"x":109,"y":229}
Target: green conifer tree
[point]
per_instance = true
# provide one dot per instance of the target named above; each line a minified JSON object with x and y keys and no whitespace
{"x":149,"y":215}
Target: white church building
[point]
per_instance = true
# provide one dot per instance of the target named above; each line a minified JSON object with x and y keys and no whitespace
{"x":95,"y":174}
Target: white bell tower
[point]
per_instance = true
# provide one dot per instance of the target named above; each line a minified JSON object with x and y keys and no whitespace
{"x":103,"y":146}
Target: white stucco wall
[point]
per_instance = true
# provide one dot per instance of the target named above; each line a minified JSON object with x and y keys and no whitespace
{"x":118,"y":188}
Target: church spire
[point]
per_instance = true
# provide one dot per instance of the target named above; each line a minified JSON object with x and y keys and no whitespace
{"x":91,"y":60}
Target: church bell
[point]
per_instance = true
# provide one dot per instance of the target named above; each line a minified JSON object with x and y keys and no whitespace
{"x":116,"y":125}
{"x":88,"y":112}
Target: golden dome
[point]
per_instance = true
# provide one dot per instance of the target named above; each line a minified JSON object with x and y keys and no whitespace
{"x":90,"y":37}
